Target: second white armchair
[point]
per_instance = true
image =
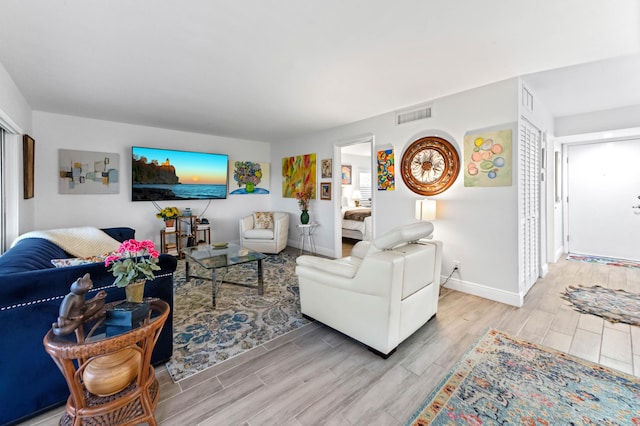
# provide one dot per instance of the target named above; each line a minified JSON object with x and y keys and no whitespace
{"x":265,"y":232}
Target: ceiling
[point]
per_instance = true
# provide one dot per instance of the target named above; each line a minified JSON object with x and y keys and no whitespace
{"x":272,"y":70}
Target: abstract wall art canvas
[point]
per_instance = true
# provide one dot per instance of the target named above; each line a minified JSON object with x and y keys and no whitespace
{"x":298,"y":172}
{"x":386,"y":170}
{"x":88,"y":172}
{"x":488,"y":158}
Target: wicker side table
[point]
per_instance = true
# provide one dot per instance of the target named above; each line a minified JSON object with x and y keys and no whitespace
{"x":132,"y":405}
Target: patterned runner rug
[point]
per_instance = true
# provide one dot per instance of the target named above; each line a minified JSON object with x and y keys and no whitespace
{"x":603,"y":260}
{"x":242,"y":319}
{"x":504,"y":380}
{"x":612,"y":305}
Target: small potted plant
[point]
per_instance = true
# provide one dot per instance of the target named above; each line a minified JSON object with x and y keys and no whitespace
{"x":132,"y":265}
{"x":169,"y":215}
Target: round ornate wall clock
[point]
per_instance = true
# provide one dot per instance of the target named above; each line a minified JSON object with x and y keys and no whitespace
{"x":430,"y":165}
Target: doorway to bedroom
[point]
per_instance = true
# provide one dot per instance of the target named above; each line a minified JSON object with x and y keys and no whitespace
{"x":356,"y":194}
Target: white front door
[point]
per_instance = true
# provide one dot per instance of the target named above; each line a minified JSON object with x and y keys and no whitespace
{"x":603,"y":186}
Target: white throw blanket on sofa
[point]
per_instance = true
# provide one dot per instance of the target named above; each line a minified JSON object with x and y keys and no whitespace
{"x":83,"y":241}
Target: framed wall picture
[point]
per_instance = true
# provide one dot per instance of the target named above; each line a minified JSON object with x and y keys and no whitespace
{"x":488,"y":158}
{"x":28,"y":156}
{"x":298,"y":173}
{"x":325,"y":190}
{"x":88,"y":172}
{"x":346,"y":175}
{"x":327,"y":164}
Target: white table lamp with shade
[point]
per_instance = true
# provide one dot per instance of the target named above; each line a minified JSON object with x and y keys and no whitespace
{"x":425,"y":209}
{"x":355,"y":196}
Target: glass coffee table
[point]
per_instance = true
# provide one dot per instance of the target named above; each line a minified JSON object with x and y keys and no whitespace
{"x":214,"y":258}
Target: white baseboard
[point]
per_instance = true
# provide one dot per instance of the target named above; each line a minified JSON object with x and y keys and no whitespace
{"x":483,"y":291}
{"x":558,"y":254}
{"x":307,"y":250}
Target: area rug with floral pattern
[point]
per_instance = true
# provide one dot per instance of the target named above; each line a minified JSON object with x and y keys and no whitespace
{"x":242,"y":319}
{"x":610,"y":261}
{"x":506,"y":380}
{"x":612,"y":305}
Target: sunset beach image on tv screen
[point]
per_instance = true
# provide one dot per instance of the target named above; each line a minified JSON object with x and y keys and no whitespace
{"x":166,"y":174}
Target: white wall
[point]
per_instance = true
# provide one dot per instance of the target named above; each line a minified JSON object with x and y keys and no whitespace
{"x":54,"y":210}
{"x":477,"y":225}
{"x":12,"y":103}
{"x":15,"y":115}
{"x":599,"y":121}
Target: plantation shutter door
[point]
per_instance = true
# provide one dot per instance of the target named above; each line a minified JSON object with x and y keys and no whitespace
{"x":529,"y":193}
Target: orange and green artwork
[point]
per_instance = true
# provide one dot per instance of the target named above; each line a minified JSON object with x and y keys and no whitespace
{"x":386,"y":171}
{"x":298,"y":172}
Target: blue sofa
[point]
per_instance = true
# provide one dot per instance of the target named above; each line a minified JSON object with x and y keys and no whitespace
{"x":31,"y":290}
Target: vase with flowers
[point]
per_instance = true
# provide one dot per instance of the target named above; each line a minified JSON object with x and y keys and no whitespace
{"x":169,"y":215}
{"x":132,"y":265}
{"x":303,"y":198}
{"x":247,"y":173}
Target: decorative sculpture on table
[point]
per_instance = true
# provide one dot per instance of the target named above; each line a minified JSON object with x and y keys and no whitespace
{"x":75,"y":310}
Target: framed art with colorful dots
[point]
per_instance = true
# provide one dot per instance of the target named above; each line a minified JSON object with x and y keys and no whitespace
{"x":488,"y":158}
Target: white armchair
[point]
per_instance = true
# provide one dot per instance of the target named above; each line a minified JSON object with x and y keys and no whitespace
{"x":265,"y":232}
{"x":380,"y":294}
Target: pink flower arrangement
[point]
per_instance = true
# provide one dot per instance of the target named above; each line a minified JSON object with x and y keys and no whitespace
{"x":134,"y":260}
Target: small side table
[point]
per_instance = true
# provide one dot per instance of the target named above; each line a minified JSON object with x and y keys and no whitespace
{"x":306,"y":232}
{"x":137,"y":401}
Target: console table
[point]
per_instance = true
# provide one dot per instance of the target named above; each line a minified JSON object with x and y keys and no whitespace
{"x":100,"y":355}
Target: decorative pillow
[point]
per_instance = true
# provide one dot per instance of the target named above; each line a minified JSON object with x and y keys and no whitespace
{"x":75,"y":261}
{"x":263,"y":220}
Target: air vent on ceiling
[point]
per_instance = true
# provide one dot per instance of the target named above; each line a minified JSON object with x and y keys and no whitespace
{"x":413,"y":115}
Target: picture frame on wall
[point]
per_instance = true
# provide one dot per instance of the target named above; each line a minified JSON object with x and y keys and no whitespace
{"x":88,"y":172}
{"x":346,"y":174}
{"x":325,"y":191}
{"x":326,"y":166}
{"x":28,"y":157}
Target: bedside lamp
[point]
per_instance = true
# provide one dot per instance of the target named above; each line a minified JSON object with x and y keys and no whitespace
{"x":425,"y":209}
{"x":356,"y":195}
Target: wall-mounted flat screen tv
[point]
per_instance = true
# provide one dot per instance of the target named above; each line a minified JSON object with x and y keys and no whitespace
{"x":166,"y":174}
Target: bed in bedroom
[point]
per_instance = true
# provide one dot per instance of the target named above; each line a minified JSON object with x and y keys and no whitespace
{"x":356,"y":223}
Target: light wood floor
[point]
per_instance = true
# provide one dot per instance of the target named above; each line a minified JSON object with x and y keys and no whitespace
{"x":347,"y":245}
{"x":318,"y":376}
